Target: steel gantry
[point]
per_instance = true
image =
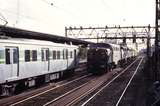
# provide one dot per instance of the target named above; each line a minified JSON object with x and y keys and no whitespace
{"x":114,"y":34}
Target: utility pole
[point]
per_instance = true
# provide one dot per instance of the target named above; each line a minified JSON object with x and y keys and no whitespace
{"x":66,"y":32}
{"x":157,"y":38}
{"x":148,"y":41}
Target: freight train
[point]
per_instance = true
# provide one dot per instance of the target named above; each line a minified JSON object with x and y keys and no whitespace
{"x":102,"y":57}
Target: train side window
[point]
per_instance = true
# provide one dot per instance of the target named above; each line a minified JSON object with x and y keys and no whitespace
{"x":34,"y":55}
{"x":47,"y":55}
{"x":71,"y":54}
{"x":42,"y":55}
{"x":50,"y":54}
{"x":54,"y":54}
{"x":66,"y":54}
{"x":7,"y":52}
{"x":27,"y":55}
{"x":15,"y":56}
{"x":63,"y":54}
{"x":58,"y":54}
{"x":2,"y":57}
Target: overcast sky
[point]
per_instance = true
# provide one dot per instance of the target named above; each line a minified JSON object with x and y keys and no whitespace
{"x":51,"y":16}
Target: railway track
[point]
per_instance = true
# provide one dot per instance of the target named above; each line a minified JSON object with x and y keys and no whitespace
{"x":112,"y":93}
{"x":16,"y":99}
{"x":72,"y":97}
{"x":79,"y":71}
{"x":79,"y":92}
{"x":76,"y":97}
{"x":56,"y":94}
{"x":50,"y":94}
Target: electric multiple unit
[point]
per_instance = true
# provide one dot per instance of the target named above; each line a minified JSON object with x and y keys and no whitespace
{"x":31,"y":62}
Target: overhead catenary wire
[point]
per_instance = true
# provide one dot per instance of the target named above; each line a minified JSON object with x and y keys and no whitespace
{"x":47,"y":2}
{"x":60,"y":8}
{"x":15,"y":14}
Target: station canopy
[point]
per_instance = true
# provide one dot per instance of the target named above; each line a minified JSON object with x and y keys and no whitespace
{"x":21,"y":33}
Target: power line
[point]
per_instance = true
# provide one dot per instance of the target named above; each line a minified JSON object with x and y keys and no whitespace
{"x":50,"y":3}
{"x":59,"y":8}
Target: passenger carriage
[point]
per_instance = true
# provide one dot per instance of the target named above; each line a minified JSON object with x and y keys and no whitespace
{"x":27,"y":63}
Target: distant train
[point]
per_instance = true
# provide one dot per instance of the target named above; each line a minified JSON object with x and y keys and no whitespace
{"x":25,"y":63}
{"x":102,"y":57}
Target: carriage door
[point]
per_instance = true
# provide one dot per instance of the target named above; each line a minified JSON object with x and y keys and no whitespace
{"x":45,"y":59}
{"x":75,"y":58}
{"x":12,"y":60}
